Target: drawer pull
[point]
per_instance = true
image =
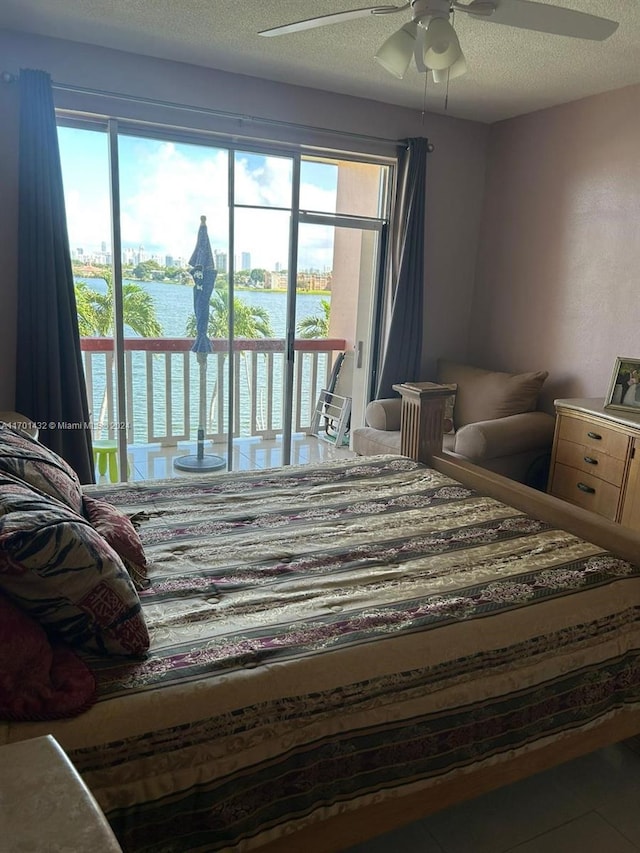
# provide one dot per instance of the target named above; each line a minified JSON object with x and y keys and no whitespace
{"x":590,"y":460}
{"x":595,"y":436}
{"x":588,"y":489}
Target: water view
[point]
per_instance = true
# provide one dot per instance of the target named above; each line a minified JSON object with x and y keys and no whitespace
{"x":174,"y":304}
{"x":156,"y":382}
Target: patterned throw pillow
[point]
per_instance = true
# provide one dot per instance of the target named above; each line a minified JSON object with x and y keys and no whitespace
{"x":33,"y":463}
{"x":116,"y":528}
{"x":55,"y":566}
{"x":38,"y":680}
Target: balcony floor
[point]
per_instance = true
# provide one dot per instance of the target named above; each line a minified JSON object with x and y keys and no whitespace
{"x":152,"y":461}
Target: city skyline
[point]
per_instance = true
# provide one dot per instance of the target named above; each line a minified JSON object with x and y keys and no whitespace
{"x":139,"y":255}
{"x":166,"y":186}
{"x":132,"y":257}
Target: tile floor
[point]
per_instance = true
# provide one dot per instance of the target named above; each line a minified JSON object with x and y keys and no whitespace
{"x":590,"y":805}
{"x":152,"y":461}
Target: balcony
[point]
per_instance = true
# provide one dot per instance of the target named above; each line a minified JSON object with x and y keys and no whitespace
{"x":168,"y":393}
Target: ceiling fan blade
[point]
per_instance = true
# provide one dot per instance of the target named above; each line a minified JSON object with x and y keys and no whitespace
{"x":541,"y":17}
{"x":335,"y":18}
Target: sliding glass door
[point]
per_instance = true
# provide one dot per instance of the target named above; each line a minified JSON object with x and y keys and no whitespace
{"x":167,"y":190}
{"x":340,"y":262}
{"x":262,"y":203}
{"x":296,"y":244}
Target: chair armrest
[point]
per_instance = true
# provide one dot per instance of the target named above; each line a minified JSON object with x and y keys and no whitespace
{"x":384,"y":414}
{"x":505,"y":436}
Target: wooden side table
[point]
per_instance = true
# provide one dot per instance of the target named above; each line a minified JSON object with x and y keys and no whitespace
{"x":422,"y":418}
{"x":45,"y":805}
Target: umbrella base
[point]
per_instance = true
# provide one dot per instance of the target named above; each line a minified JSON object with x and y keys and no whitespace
{"x":195,"y":463}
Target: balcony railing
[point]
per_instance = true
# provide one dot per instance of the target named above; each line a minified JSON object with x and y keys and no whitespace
{"x":165,"y":387}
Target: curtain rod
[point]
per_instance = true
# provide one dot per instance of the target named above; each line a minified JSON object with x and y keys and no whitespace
{"x":8,"y":77}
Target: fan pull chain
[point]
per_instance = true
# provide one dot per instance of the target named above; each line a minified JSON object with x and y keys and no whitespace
{"x":446,"y":93}
{"x":424,"y":98}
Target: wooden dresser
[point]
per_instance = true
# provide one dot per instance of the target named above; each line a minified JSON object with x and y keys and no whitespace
{"x":594,"y":463}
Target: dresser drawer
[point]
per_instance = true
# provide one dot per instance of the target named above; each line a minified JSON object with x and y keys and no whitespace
{"x":590,"y":461}
{"x":594,"y":436}
{"x":586,"y":491}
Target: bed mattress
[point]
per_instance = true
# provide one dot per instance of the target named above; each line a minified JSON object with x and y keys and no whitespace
{"x":329,"y":636}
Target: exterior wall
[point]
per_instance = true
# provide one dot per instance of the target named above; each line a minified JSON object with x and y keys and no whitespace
{"x":456,"y":173}
{"x":358,"y":192}
{"x":557,"y":277}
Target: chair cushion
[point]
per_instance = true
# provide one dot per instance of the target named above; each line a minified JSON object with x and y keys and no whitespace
{"x":368,"y":441}
{"x":55,"y":566}
{"x":484,"y":395}
{"x":384,"y":414}
{"x":23,"y":457}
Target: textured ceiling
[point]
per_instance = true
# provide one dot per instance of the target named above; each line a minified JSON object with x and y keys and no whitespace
{"x":511,"y":71}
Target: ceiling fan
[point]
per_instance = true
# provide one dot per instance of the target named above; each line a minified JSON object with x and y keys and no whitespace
{"x":432,"y":41}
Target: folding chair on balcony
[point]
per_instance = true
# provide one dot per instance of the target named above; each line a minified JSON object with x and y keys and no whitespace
{"x":332,"y":416}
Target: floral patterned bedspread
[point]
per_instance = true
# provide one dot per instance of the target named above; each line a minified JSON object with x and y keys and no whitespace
{"x":324,"y":636}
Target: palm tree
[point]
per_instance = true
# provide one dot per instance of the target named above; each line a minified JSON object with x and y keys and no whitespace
{"x":95,"y":318}
{"x":95,"y":309}
{"x":316,"y":326}
{"x":249,"y":321}
{"x":88,"y":320}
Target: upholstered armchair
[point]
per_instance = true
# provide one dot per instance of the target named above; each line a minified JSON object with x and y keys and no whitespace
{"x":495,"y":423}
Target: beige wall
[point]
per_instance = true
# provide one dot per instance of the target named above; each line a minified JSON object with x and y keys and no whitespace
{"x":558,"y":273}
{"x":456,"y":169}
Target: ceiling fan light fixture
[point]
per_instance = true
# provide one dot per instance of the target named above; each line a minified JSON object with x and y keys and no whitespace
{"x":458,"y":68}
{"x":397,"y":51}
{"x":442,"y":48}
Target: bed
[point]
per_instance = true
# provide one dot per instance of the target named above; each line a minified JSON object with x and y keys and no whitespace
{"x":339,"y":649}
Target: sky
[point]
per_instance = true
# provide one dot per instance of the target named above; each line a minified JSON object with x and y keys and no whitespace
{"x":166,"y":186}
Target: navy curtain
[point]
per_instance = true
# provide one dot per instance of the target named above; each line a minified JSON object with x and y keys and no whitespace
{"x":50,"y":387}
{"x":402,"y":358}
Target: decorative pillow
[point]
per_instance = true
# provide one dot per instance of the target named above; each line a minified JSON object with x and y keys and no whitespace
{"x":117,"y":529}
{"x":384,"y":414}
{"x":38,"y":681}
{"x":59,"y":569}
{"x":33,"y":463}
{"x":484,"y":395}
{"x":448,"y":426}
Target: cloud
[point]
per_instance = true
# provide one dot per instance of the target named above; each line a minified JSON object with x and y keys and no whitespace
{"x":165,"y":189}
{"x":166,"y":186}
{"x":263,"y":180}
{"x":88,"y":221}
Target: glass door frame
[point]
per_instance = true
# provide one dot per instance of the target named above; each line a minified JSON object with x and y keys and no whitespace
{"x":378,"y":226}
{"x":114,"y":128}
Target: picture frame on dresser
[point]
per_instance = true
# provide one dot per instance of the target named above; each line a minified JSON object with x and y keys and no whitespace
{"x":624,"y":388}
